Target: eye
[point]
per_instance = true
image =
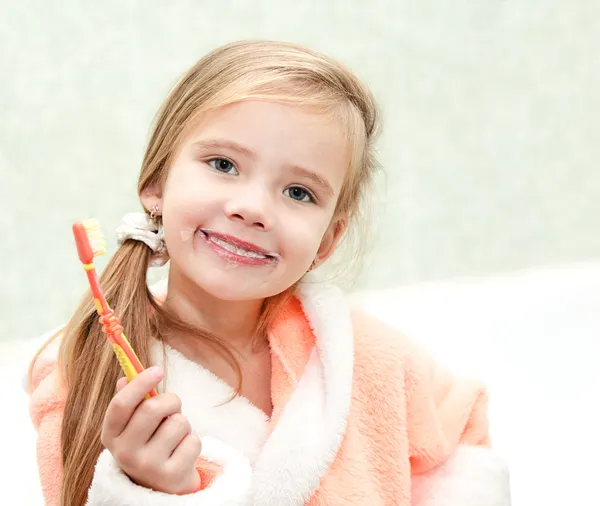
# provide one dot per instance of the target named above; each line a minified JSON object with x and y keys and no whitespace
{"x":299,"y":193}
{"x":223,"y":165}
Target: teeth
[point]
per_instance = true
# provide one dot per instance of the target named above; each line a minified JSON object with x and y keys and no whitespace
{"x":234,"y":249}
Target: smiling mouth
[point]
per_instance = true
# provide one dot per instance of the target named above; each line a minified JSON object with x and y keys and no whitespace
{"x":237,"y":247}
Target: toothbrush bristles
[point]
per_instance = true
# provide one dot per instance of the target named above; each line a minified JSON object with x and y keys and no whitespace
{"x":95,"y":236}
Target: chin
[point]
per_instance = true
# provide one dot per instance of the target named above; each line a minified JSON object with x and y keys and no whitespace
{"x":228,"y":288}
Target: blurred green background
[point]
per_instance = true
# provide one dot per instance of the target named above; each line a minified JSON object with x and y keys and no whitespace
{"x":490,"y":142}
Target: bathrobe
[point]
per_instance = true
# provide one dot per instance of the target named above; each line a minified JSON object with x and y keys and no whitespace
{"x":361,"y":416}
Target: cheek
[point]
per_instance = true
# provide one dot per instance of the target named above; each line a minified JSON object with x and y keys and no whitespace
{"x":186,"y":199}
{"x":188,"y":182}
{"x":302,"y":239}
{"x":181,"y":216}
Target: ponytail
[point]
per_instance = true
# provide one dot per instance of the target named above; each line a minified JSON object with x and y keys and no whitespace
{"x":90,"y":369}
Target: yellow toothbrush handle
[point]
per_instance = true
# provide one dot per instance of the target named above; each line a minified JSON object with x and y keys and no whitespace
{"x":126,"y":364}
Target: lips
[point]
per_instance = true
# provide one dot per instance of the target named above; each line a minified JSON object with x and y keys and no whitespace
{"x":235,"y":249}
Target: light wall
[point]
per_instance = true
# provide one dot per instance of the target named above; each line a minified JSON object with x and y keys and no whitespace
{"x":490,"y":142}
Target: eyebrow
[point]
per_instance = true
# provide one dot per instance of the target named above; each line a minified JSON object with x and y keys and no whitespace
{"x":315,"y":178}
{"x":224,"y":143}
{"x":320,"y":181}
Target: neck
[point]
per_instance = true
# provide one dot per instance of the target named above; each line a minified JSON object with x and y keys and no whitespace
{"x":234,"y":322}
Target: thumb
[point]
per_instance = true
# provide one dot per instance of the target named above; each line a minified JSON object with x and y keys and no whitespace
{"x":121,"y":383}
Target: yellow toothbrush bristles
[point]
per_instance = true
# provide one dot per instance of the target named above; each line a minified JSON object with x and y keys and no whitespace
{"x":95,"y":236}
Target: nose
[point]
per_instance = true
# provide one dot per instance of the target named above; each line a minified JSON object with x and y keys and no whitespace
{"x":250,"y":208}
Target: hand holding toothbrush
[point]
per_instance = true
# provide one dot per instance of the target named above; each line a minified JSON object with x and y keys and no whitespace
{"x":150,"y":438}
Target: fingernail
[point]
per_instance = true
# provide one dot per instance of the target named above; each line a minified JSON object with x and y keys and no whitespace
{"x":155,"y":371}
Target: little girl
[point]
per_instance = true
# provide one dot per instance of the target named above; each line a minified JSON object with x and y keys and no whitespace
{"x":272,"y":392}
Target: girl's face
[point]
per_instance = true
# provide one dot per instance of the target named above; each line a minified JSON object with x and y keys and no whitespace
{"x":249,"y":199}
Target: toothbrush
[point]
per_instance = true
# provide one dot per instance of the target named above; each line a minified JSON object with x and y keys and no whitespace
{"x":90,"y":244}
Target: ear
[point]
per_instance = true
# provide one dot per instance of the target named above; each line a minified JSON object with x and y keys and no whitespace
{"x":151,"y":196}
{"x":330,"y":240}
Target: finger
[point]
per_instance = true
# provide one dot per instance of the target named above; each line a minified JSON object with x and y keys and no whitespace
{"x":121,"y":383}
{"x":148,"y":417}
{"x":125,"y":402}
{"x":169,"y":434}
{"x":186,"y":453}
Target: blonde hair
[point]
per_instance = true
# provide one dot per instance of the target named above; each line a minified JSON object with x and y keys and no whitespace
{"x":274,"y":71}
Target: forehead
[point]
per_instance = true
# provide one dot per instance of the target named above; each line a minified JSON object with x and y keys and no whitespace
{"x":279,"y":132}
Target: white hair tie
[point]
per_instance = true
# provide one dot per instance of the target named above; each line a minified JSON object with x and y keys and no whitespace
{"x":140,"y":227}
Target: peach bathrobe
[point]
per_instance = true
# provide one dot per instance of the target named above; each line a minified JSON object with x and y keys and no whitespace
{"x":361,"y":416}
